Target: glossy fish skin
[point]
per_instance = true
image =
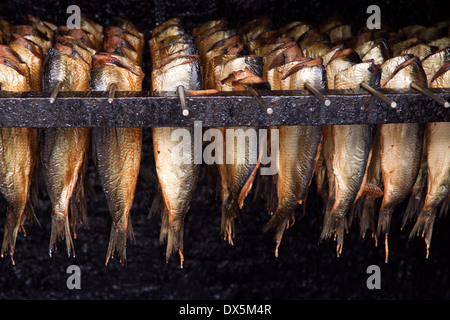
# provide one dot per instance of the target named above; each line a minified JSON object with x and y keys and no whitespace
{"x":379,"y":52}
{"x":341,"y":59}
{"x":117,"y":154}
{"x":179,"y":49}
{"x":177,"y":180}
{"x":167,"y":76}
{"x":31,"y":56}
{"x":253,"y":64}
{"x":15,"y":164}
{"x":370,"y":202}
{"x":297,"y":154}
{"x":438,"y":165}
{"x":351,"y":147}
{"x":401,"y":149}
{"x":236,"y":177}
{"x":64,"y":149}
{"x":432,"y":63}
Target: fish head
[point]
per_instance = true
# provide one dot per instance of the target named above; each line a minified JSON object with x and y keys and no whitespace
{"x":365,"y":72}
{"x":442,"y":77}
{"x":181,"y":71}
{"x":407,"y":72}
{"x":62,"y":64}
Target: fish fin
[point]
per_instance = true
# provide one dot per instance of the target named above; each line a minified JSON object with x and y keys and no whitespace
{"x":29,"y":215}
{"x":60,"y":231}
{"x":372,"y":190}
{"x":413,"y":207}
{"x":12,"y":225}
{"x":117,"y":243}
{"x":130,"y":232}
{"x":368,"y":217}
{"x":355,"y":210}
{"x":163,"y":233}
{"x":384,"y":219}
{"x":279,"y":223}
{"x":335,"y":224}
{"x":362,"y":187}
{"x":230,"y":211}
{"x":384,"y":223}
{"x":424,"y":227}
{"x":157,"y":206}
{"x":248,"y":184}
{"x":175,"y":242}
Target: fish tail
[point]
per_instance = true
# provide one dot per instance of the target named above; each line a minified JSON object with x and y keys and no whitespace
{"x":12,"y":225}
{"x":279,"y":222}
{"x":157,"y":206}
{"x":412,"y":208}
{"x":29,"y":215}
{"x":384,"y":223}
{"x":355,"y":210}
{"x":335,"y":224}
{"x":175,"y":242}
{"x":118,"y":240}
{"x":368,"y":216}
{"x":61,"y":231}
{"x":424,"y":226}
{"x":230,"y":211}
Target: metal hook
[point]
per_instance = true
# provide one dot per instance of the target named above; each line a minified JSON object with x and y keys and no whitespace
{"x":182,"y":97}
{"x":319,"y":95}
{"x":430,"y":94}
{"x":112,"y":91}
{"x":263,"y":103}
{"x":56,"y":91}
{"x":379,"y":95}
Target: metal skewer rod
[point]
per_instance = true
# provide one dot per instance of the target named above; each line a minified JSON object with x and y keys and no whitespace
{"x":430,"y":94}
{"x":379,"y":95}
{"x":319,"y":95}
{"x":263,"y":103}
{"x":56,"y":91}
{"x":182,"y":97}
{"x":112,"y":91}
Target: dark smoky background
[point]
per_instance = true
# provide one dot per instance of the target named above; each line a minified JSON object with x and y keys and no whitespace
{"x":305,"y":268}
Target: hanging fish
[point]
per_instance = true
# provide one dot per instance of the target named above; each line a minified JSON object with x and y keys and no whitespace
{"x":298,"y":148}
{"x":177,"y":177}
{"x":438,"y":164}
{"x":117,"y":150}
{"x":351,"y":148}
{"x":399,"y":141}
{"x":16,"y":163}
{"x":64,"y":149}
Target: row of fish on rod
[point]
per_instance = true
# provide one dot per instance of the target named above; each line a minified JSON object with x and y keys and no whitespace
{"x":361,"y":170}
